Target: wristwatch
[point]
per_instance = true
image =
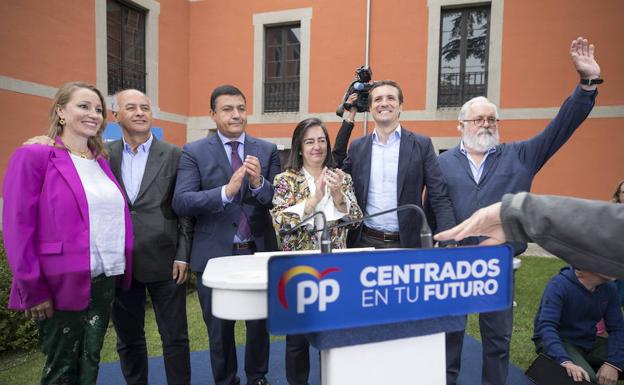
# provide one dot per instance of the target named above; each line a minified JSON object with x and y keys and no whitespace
{"x":591,"y":82}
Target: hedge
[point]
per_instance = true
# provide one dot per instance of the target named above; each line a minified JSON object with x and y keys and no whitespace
{"x":16,"y":331}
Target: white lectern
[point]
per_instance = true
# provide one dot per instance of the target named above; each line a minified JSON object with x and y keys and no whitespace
{"x":407,"y":352}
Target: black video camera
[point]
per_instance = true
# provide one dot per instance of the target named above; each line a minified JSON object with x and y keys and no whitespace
{"x":361,"y":85}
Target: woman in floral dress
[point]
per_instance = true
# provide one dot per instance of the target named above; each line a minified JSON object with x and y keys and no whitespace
{"x":310,"y":184}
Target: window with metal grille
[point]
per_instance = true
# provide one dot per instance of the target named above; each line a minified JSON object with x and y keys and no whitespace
{"x":464,"y":41}
{"x":281,"y":73}
{"x":125,"y":30}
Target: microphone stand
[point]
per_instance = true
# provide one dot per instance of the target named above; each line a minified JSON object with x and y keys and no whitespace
{"x":325,"y":243}
{"x":426,"y":239}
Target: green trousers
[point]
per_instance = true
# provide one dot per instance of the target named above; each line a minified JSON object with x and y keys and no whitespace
{"x":72,"y":340}
{"x":590,"y":360}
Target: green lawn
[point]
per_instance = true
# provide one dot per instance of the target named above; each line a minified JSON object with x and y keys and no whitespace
{"x":531,"y":279}
{"x":23,"y":368}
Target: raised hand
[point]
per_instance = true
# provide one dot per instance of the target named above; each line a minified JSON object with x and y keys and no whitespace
{"x":349,"y":114}
{"x":582,"y":55}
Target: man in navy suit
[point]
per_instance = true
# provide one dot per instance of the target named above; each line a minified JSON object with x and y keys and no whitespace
{"x":391,"y":167}
{"x":479,"y":171}
{"x":225,"y":182}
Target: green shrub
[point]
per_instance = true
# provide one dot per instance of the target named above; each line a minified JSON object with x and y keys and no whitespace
{"x":16,"y":332}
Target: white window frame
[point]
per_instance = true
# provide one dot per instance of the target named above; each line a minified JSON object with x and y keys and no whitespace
{"x":303,"y":16}
{"x":151,"y":47}
{"x":433,"y":53}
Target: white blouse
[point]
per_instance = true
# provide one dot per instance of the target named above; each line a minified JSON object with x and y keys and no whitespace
{"x":326,"y":205}
{"x":107,"y":228}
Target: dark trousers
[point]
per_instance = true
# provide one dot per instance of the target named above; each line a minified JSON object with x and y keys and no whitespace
{"x":590,"y":360}
{"x":72,"y":340}
{"x":495,"y":328}
{"x":169,"y":302}
{"x":222,"y":344}
{"x":297,"y":359}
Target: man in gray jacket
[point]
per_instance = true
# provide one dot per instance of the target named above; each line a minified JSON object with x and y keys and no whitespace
{"x":586,"y":234}
{"x":146,"y":168}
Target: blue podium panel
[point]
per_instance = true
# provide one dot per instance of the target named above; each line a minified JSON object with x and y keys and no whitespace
{"x":310,"y":293}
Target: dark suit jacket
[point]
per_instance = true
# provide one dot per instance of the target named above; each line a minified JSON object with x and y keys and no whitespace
{"x":160,"y":235}
{"x":204,"y":169}
{"x":418,"y":167}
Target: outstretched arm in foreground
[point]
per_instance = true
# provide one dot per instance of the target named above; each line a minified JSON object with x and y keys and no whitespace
{"x":584,"y":233}
{"x":484,"y":222}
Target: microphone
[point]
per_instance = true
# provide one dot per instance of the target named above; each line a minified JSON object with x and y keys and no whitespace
{"x":426,"y":239}
{"x":325,"y":239}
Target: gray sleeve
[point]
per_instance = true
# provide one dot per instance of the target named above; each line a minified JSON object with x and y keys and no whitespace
{"x":587,"y":234}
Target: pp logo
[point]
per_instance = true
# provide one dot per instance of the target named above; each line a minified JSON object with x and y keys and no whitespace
{"x":322,"y":290}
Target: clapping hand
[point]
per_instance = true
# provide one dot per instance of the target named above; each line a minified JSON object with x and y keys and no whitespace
{"x":333,"y":179}
{"x":235,"y":183}
{"x":253,"y":171}
{"x":319,"y":193}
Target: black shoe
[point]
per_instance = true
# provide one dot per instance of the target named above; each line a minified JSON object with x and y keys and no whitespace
{"x":261,"y":381}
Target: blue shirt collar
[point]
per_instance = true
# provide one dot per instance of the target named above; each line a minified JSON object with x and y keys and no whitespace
{"x":144,"y":147}
{"x":462,"y":149}
{"x":394,"y":136}
{"x":225,"y":140}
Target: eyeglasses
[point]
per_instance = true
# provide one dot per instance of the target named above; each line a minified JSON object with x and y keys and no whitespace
{"x":481,"y":121}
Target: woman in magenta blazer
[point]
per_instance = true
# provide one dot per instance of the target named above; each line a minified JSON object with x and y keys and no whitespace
{"x":68,"y":235}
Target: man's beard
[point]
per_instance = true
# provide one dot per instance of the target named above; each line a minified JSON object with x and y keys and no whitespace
{"x":483,"y":140}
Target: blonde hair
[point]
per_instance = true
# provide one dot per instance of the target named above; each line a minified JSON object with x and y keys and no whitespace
{"x":95,"y":143}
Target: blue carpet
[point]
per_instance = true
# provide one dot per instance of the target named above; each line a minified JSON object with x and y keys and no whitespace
{"x":110,"y":373}
{"x":471,"y":366}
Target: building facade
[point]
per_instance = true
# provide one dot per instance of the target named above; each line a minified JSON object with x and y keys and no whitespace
{"x":295,"y":58}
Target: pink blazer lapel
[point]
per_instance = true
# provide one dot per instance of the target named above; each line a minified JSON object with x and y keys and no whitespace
{"x":66,"y":168}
